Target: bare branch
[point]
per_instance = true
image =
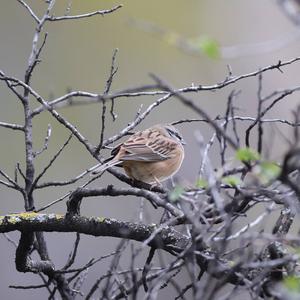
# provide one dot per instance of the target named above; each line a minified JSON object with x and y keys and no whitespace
{"x":12,"y":183}
{"x":137,"y":121}
{"x":73,"y":254}
{"x":201,"y":112}
{"x":167,"y":239}
{"x":76,"y":198}
{"x":59,"y":118}
{"x":45,"y":146}
{"x":27,"y":287}
{"x":34,"y":16}
{"x":87,"y":15}
{"x":113,"y":72}
{"x":7,"y":184}
{"x":51,"y":162}
{"x":262,"y":114}
{"x":12,"y":126}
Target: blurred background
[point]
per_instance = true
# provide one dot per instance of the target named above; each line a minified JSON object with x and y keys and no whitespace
{"x":183,"y":42}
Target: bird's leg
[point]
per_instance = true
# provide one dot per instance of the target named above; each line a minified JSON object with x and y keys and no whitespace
{"x":157,"y":183}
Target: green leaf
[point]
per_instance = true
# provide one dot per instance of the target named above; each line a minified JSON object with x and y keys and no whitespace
{"x":210,"y":47}
{"x":292,"y":283}
{"x":247,"y":155}
{"x":175,"y":194}
{"x":201,"y":184}
{"x":232,"y":181}
{"x":269,"y":170}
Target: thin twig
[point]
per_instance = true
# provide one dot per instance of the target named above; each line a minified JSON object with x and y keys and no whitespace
{"x":87,"y":15}
{"x":12,"y":126}
{"x":51,"y":162}
{"x":45,"y":146}
{"x":29,"y":9}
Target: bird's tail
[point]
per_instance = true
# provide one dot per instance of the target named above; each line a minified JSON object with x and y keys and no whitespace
{"x":105,"y":166}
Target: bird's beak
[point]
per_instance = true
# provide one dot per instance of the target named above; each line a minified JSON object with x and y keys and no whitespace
{"x":183,"y":142}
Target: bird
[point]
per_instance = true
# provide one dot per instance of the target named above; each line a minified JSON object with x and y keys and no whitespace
{"x":151,"y":156}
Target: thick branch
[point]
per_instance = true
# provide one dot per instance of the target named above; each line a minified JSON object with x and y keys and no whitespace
{"x":167,"y":238}
{"x":24,"y":263}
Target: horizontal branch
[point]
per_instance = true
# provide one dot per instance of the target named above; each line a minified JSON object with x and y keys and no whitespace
{"x":155,"y":199}
{"x":12,"y":126}
{"x":167,"y":238}
{"x":90,"y":98}
{"x":64,"y":100}
{"x":233,"y":79}
{"x":87,"y":15}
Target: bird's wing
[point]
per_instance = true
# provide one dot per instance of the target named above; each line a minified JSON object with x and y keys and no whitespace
{"x":148,"y":145}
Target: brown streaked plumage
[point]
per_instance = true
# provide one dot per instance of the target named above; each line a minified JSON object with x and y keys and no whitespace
{"x":151,"y":156}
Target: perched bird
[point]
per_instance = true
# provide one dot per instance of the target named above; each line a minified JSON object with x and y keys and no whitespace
{"x":151,"y":156}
